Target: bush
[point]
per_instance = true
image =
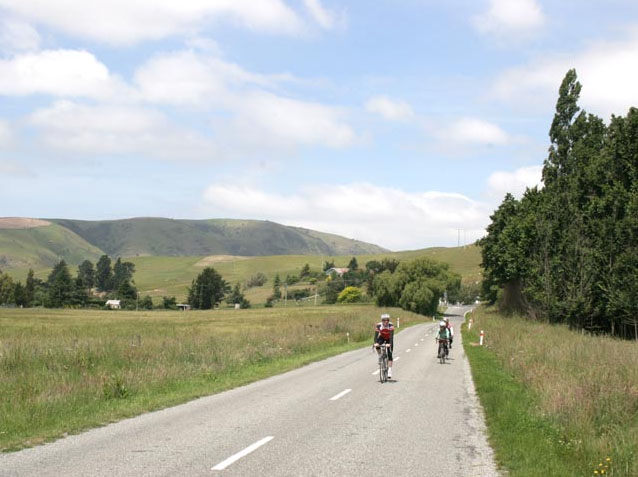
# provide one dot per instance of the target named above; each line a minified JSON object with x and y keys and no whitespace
{"x":350,"y":295}
{"x":256,"y":280}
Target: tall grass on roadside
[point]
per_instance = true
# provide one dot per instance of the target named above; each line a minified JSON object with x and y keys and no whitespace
{"x":65,"y":370}
{"x":557,"y":402}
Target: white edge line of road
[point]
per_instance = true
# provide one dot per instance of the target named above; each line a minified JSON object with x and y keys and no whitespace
{"x":222,"y":465}
{"x":340,"y":395}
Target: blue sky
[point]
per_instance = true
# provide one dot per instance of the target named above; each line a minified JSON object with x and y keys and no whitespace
{"x":395,"y":122}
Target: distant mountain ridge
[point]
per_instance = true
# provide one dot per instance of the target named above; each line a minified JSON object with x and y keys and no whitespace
{"x":68,"y":239}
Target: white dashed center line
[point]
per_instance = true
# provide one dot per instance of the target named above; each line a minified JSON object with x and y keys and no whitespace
{"x":340,"y":395}
{"x":408,"y":350}
{"x":377,"y":371}
{"x":222,"y":465}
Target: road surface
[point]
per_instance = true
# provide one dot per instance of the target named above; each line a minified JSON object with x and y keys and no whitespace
{"x":332,"y":417}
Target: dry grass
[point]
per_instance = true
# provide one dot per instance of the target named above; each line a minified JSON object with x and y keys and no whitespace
{"x":587,"y":384}
{"x":65,"y":370}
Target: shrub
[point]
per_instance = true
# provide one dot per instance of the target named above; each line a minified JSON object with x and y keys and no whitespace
{"x":350,"y":295}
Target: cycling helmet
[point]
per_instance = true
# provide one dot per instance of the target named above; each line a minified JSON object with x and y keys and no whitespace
{"x":446,"y":319}
{"x":385,"y":316}
{"x":442,"y":323}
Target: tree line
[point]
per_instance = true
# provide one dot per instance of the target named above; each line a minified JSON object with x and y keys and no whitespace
{"x":567,"y":252}
{"x":89,"y":287}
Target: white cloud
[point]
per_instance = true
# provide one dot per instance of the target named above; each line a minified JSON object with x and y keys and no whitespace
{"x":5,"y":133}
{"x":189,"y":78}
{"x":265,"y":118}
{"x":257,"y":117}
{"x":391,"y":110}
{"x":608,"y":72}
{"x":389,"y":217}
{"x":57,"y":72}
{"x":122,"y":22}
{"x":511,"y":18}
{"x":325,"y":18}
{"x":501,"y":182}
{"x":473,"y":131}
{"x":105,"y":129}
{"x":17,"y":35}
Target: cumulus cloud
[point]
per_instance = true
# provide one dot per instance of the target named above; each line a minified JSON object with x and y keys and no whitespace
{"x":105,"y":129}
{"x":74,"y":73}
{"x":501,"y":182}
{"x":607,"y":70}
{"x":389,"y":217}
{"x":123,"y":22}
{"x":391,"y":110}
{"x":324,"y":17}
{"x":17,"y":35}
{"x":257,"y":115}
{"x":5,"y":133}
{"x":507,"y":18}
{"x":474,"y":131}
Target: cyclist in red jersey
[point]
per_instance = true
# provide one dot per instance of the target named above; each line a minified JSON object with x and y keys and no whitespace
{"x":384,"y":334}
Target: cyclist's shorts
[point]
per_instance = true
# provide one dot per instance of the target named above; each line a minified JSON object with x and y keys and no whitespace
{"x":381,"y":341}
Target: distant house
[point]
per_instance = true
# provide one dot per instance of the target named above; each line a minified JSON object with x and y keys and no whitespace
{"x":183,"y":306}
{"x":113,"y":304}
{"x":338,"y":271}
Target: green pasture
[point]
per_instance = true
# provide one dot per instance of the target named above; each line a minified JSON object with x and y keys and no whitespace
{"x":62,"y":371}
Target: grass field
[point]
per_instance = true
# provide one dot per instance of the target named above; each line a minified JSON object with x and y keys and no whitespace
{"x":557,"y":402}
{"x":170,"y":276}
{"x":159,"y":276}
{"x":62,"y":371}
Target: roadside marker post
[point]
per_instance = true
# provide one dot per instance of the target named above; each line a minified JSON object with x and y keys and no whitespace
{"x":481,"y":338}
{"x":398,"y":322}
{"x":348,"y":336}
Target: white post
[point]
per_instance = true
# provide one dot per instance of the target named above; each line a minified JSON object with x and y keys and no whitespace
{"x":481,"y":339}
{"x":348,"y":336}
{"x":398,"y":322}
{"x":469,"y":324}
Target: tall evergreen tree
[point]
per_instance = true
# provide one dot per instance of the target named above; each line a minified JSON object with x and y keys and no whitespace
{"x":60,"y":286}
{"x":29,"y":289}
{"x":104,"y":274}
{"x":122,"y":272}
{"x":86,"y":273}
{"x":207,"y":290}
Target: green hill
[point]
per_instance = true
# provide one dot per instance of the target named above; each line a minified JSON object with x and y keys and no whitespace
{"x":25,"y":246}
{"x":160,"y":276}
{"x":177,"y":238}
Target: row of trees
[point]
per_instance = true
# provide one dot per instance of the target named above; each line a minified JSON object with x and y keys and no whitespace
{"x":209,"y":289}
{"x":416,"y":285}
{"x":568,"y":252}
{"x":61,"y":289}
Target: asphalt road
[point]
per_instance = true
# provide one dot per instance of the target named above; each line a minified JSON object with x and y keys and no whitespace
{"x":329,"y":418}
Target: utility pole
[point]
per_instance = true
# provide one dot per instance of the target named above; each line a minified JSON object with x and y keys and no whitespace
{"x":458,"y":240}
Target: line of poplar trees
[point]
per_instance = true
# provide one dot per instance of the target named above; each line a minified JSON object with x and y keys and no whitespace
{"x":567,"y":251}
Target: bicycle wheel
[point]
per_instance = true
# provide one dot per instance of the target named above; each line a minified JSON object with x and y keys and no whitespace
{"x":383,"y":368}
{"x":441,"y":354}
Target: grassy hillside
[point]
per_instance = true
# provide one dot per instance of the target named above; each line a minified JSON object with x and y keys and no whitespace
{"x":40,"y":247}
{"x":160,"y":276}
{"x":168,"y":237}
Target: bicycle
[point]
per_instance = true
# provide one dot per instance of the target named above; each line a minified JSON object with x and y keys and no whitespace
{"x":443,"y":350}
{"x":383,"y":363}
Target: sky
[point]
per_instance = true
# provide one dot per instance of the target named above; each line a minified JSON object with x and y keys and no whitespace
{"x":397,"y":122}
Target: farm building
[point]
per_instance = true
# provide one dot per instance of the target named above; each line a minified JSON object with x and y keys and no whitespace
{"x":338,"y":271}
{"x":113,"y":304}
